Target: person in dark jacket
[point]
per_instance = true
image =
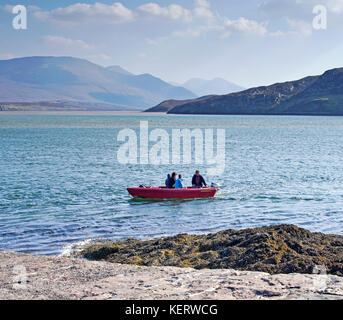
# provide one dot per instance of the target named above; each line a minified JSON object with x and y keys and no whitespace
{"x":172,"y":180}
{"x":167,"y":181}
{"x":198,"y":181}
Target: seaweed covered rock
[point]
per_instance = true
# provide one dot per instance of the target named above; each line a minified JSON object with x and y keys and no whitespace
{"x":275,"y":249}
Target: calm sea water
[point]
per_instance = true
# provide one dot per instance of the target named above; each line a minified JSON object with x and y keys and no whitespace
{"x":60,"y":181}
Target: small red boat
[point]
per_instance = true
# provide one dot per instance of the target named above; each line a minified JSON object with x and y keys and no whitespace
{"x":161,"y":193}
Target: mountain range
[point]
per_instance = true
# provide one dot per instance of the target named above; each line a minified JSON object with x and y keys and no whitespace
{"x":313,"y":95}
{"x":73,"y":81}
{"x":216,"y":86}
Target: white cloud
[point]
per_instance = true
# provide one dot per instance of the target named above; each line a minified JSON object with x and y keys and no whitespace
{"x":200,"y":19}
{"x":300,"y":27}
{"x":247,"y":26}
{"x":202,"y":3}
{"x":173,"y":11}
{"x":191,"y":32}
{"x":202,"y":9}
{"x":176,"y":12}
{"x":335,"y":6}
{"x":202,"y":12}
{"x":82,"y":12}
{"x":63,"y":42}
{"x":277,"y":33}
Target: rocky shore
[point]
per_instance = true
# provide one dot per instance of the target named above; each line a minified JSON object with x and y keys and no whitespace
{"x":25,"y":276}
{"x":279,"y":262}
{"x":276,"y":249}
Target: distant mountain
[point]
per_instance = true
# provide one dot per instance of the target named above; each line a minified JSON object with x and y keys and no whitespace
{"x":119,"y":69}
{"x":216,"y":86}
{"x":168,"y":105}
{"x":314,"y":95}
{"x":72,"y":80}
{"x":173,"y":83}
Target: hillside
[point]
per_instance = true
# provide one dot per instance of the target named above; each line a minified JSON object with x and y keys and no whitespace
{"x":72,"y":80}
{"x":119,"y":69}
{"x":314,"y":95}
{"x":168,"y":105}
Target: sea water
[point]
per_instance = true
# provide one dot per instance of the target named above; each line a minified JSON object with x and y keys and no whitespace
{"x":61,"y":183}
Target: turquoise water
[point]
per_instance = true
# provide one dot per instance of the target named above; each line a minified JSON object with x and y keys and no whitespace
{"x":60,"y":181}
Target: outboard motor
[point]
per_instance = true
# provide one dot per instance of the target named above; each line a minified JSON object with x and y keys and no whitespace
{"x":215,"y":185}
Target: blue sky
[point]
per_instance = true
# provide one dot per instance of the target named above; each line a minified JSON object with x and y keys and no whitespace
{"x":251,"y":42}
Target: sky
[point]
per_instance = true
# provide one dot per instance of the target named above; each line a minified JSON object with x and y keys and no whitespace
{"x":250,"y":42}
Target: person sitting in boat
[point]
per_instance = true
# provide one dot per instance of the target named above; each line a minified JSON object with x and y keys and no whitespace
{"x":167,"y":181}
{"x":179,"y":182}
{"x":198,"y":181}
{"x":172,"y":181}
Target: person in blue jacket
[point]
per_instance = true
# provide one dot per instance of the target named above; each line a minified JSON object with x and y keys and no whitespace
{"x":179,"y":182}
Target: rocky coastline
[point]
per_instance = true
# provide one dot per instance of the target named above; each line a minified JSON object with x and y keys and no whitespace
{"x":276,"y":249}
{"x":278,"y":262}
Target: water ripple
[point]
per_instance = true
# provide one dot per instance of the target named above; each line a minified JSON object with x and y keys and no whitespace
{"x":60,"y":183}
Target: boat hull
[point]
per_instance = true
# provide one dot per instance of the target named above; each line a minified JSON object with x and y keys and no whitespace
{"x":161,"y":193}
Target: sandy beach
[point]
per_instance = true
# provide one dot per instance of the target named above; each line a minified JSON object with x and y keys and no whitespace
{"x":78,"y":279}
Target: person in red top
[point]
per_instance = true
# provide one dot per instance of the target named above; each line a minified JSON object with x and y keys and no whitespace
{"x":198,"y":181}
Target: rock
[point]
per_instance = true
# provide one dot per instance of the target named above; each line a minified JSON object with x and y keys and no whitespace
{"x":275,"y":249}
{"x":59,"y":278}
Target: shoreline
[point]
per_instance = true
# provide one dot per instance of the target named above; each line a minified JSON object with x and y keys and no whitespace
{"x":71,"y":112}
{"x":172,"y":268}
{"x":277,"y":249}
{"x":144,"y":113}
{"x":59,"y":278}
